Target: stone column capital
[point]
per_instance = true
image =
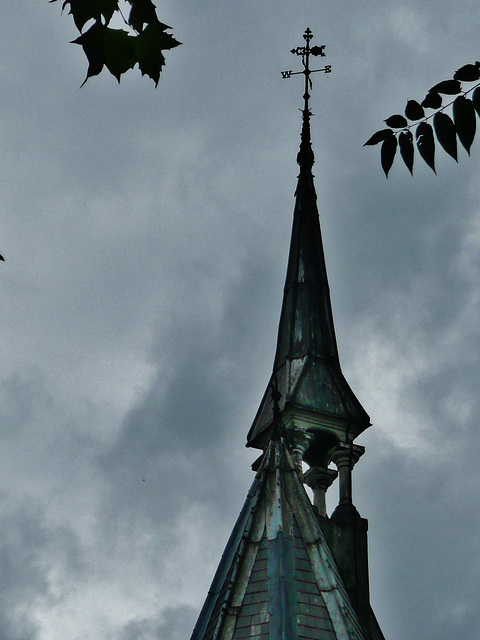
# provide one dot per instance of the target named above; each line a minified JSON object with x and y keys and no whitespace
{"x":300,"y":441}
{"x":346,"y":455}
{"x":319,"y":478}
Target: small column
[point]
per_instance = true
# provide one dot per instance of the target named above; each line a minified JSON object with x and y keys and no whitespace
{"x":345,"y":456}
{"x":300,"y":443}
{"x":319,"y":480}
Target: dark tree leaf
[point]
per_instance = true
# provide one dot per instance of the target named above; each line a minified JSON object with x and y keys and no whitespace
{"x":467,"y":73}
{"x":465,"y":121}
{"x":92,"y":43}
{"x":118,"y":54}
{"x":85,"y":10}
{"x":142,"y":12}
{"x":396,"y":122}
{"x":387,"y":153}
{"x":414,"y":111}
{"x":103,"y":46}
{"x":379,"y":136}
{"x":426,"y":144}
{"x":120,"y":49}
{"x":449,"y":87}
{"x":148,"y":48}
{"x":476,"y":100}
{"x":433,"y":100}
{"x":446,"y":133}
{"x":405,"y":140}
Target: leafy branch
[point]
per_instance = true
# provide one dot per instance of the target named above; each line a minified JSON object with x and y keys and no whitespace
{"x":142,"y":42}
{"x":446,"y":129}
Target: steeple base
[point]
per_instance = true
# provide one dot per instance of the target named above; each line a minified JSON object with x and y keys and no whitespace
{"x":346,"y":535}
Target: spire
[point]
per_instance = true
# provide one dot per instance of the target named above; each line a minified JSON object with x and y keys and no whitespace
{"x":288,"y":571}
{"x":277,"y":578}
{"x":315,"y":393}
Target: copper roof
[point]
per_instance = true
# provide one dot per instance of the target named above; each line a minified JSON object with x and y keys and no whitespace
{"x":277,"y":579}
{"x":306,"y":365}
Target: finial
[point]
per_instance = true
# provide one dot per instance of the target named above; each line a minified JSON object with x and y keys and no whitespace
{"x":305,"y":156}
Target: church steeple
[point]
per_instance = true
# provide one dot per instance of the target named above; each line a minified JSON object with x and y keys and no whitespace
{"x":288,"y":571}
{"x":318,"y":404}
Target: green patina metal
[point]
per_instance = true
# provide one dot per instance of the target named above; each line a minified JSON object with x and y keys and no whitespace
{"x":277,"y":579}
{"x":288,"y":571}
{"x":213,"y":609}
{"x":307,"y":365}
{"x":282,"y":590}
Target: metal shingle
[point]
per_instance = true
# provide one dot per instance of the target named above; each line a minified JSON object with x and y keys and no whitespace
{"x":272,"y":588}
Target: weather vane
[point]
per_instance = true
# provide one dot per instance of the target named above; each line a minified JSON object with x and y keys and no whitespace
{"x":305,"y":53}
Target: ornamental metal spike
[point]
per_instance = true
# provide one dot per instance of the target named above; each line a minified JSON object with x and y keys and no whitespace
{"x":305,"y":53}
{"x":305,"y":157}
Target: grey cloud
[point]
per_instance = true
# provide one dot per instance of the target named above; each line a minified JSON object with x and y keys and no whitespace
{"x":146,"y":235}
{"x":418,"y":553}
{"x":181,"y":427}
{"x":39,"y":561}
{"x":172,"y":624}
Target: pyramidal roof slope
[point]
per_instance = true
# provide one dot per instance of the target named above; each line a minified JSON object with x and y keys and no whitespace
{"x":277,"y":579}
{"x":306,"y":364}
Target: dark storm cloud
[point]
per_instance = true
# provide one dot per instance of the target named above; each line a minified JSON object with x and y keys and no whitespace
{"x":427,"y":545}
{"x":185,"y":423}
{"x":146,"y":236}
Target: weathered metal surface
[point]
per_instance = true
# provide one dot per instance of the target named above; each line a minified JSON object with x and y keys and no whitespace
{"x":282,"y":588}
{"x":277,"y":579}
{"x":306,"y":364}
{"x":212,"y":607}
{"x":253,"y":616}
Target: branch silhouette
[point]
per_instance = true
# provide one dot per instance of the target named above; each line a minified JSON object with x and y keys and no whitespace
{"x":446,"y":129}
{"x":142,"y":41}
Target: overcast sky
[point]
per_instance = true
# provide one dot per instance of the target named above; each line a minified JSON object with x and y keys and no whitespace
{"x":146,"y":233}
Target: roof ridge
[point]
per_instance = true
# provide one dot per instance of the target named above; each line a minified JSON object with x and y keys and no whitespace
{"x":257,"y":573}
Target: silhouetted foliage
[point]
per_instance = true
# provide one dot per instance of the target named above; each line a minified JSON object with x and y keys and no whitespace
{"x":446,"y":129}
{"x":141,"y":42}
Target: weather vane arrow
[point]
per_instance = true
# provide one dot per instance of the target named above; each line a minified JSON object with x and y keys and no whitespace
{"x":305,"y":157}
{"x":305,"y":53}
